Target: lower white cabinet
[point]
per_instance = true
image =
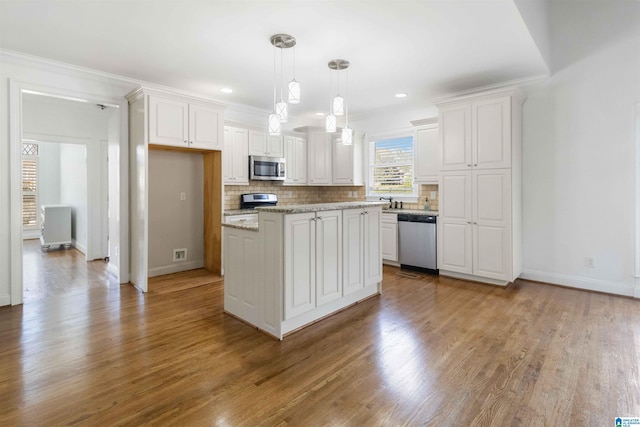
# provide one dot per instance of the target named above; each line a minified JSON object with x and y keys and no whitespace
{"x":389,"y":230}
{"x":240,"y":291}
{"x":312,"y":245}
{"x":474,"y":233}
{"x":362,"y":262}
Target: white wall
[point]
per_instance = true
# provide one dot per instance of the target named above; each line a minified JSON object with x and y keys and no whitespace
{"x":37,"y":74}
{"x":73,"y":190}
{"x":175,"y":223}
{"x":579,"y":167}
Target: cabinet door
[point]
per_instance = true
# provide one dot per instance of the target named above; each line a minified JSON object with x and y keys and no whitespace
{"x":319,"y":158}
{"x":352,"y":250}
{"x":426,"y":147}
{"x":389,"y":241}
{"x":168,"y":121}
{"x":455,"y":137}
{"x":343,"y":163}
{"x":491,"y":223}
{"x":296,"y":160}
{"x":455,"y":237}
{"x":491,"y":133}
{"x":275,"y":146}
{"x":372,"y":246}
{"x":204,"y":127}
{"x":299,"y":275}
{"x":235,"y":156}
{"x":240,"y":296}
{"x":328,"y":256}
{"x":257,"y":143}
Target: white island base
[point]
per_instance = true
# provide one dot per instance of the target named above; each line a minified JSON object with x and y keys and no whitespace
{"x":303,"y":263}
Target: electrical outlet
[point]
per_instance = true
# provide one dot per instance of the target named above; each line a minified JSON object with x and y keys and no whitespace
{"x":180,"y":255}
{"x":183,"y":196}
{"x":349,"y":194}
{"x":116,"y":250}
{"x":590,"y":262}
{"x":355,"y":194}
{"x":433,"y":195}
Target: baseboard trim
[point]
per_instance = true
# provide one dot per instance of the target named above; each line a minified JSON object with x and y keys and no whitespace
{"x":176,"y":268}
{"x":636,"y":291}
{"x":472,"y":278}
{"x":617,"y":288}
{"x":5,"y":300}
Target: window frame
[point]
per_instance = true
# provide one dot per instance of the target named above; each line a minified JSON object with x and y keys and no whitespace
{"x":369,"y":153}
{"x":36,"y":158}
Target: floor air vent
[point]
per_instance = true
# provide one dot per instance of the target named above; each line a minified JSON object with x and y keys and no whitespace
{"x":409,"y":275}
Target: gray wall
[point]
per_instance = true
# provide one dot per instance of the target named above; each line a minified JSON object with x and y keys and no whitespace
{"x":175,"y":223}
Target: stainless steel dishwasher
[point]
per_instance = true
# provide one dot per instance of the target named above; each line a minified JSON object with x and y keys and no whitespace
{"x":417,"y":241}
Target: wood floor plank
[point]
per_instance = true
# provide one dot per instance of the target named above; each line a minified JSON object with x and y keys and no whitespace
{"x":428,"y":351}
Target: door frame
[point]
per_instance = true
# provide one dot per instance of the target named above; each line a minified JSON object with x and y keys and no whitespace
{"x":636,"y":127}
{"x":16,"y":88}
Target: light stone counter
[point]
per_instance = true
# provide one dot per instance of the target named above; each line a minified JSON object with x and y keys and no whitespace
{"x":318,"y":207}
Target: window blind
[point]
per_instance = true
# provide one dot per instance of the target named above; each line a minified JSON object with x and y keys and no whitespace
{"x":30,"y":188}
{"x":392,"y":168}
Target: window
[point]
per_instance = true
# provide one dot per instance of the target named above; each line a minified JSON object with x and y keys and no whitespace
{"x":391,"y":167}
{"x":29,"y":186}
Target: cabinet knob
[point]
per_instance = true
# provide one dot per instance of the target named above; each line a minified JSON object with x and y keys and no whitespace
{"x":469,"y":165}
{"x":185,"y":141}
{"x":190,"y":142}
{"x":319,"y":218}
{"x":475,"y":223}
{"x":468,"y":222}
{"x":475,"y":164}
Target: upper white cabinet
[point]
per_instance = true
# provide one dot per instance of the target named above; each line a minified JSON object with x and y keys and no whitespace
{"x":426,"y":148}
{"x":319,"y":158}
{"x":295,"y":154}
{"x":480,"y":185}
{"x":235,"y":158}
{"x":476,"y":133}
{"x":181,"y":122}
{"x":261,"y":144}
{"x":347,"y":161}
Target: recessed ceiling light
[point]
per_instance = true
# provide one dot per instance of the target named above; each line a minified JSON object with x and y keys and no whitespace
{"x":401,"y":95}
{"x":226,"y":90}
{"x":319,"y":114}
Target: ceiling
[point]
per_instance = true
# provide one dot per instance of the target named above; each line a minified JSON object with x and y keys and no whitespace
{"x":423,"y":48}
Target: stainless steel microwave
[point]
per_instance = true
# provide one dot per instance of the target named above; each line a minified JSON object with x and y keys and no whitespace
{"x":267,"y":168}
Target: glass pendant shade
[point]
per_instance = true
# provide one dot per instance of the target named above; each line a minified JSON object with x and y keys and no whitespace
{"x":338,"y":105}
{"x":330,"y":123}
{"x":274,"y":124}
{"x":347,"y":136}
{"x":281,"y":110}
{"x":294,"y":92}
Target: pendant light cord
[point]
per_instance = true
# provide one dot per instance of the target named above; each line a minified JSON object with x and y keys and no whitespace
{"x":274,"y":79}
{"x":281,"y":75}
{"x":346,"y":102}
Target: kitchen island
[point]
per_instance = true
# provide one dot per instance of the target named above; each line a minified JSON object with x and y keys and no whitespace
{"x":302,"y":263}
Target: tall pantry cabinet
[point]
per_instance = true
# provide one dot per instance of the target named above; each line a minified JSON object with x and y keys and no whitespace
{"x":480,"y":184}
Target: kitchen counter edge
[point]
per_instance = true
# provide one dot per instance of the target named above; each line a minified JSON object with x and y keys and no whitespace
{"x":318,"y":207}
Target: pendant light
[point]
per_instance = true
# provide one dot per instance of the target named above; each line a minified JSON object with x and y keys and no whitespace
{"x":281,"y":110}
{"x":330,"y":120}
{"x":294,"y":85}
{"x":347,"y":132}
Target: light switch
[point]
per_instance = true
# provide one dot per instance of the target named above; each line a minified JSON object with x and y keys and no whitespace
{"x":183,"y":196}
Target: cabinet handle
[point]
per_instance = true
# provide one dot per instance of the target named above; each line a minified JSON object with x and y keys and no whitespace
{"x":319,"y":218}
{"x":366,"y":213}
{"x":313,"y":219}
{"x":190,"y":142}
{"x":469,"y":165}
{"x":475,"y":223}
{"x":185,"y":141}
{"x":468,"y":222}
{"x":475,"y":164}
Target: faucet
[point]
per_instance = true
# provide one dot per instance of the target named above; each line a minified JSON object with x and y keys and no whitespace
{"x":390,"y":199}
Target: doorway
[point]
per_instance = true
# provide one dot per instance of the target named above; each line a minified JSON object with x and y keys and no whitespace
{"x":105,"y":234}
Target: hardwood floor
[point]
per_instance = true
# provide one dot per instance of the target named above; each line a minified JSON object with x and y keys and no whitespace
{"x":428,"y":351}
{"x":58,"y":271}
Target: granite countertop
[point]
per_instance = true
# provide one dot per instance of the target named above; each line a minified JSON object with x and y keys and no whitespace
{"x":241,"y":225}
{"x":231,"y":212}
{"x":410,"y":211}
{"x":318,"y":207}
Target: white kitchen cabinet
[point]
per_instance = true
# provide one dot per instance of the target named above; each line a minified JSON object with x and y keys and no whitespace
{"x":295,"y":154}
{"x":313,"y":245}
{"x":389,"y":235}
{"x":347,"y":161}
{"x":426,"y":151}
{"x":300,"y":253}
{"x":181,"y":122}
{"x":319,"y":163}
{"x":235,"y":156}
{"x":241,"y":292}
{"x":480,"y":185}
{"x":476,"y":134}
{"x":261,"y":144}
{"x":362,"y":256}
{"x":475,"y":212}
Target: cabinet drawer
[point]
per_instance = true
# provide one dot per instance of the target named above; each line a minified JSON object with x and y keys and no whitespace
{"x":389,"y":218}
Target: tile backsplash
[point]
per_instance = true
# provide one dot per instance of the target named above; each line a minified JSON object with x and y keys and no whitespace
{"x":294,"y":195}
